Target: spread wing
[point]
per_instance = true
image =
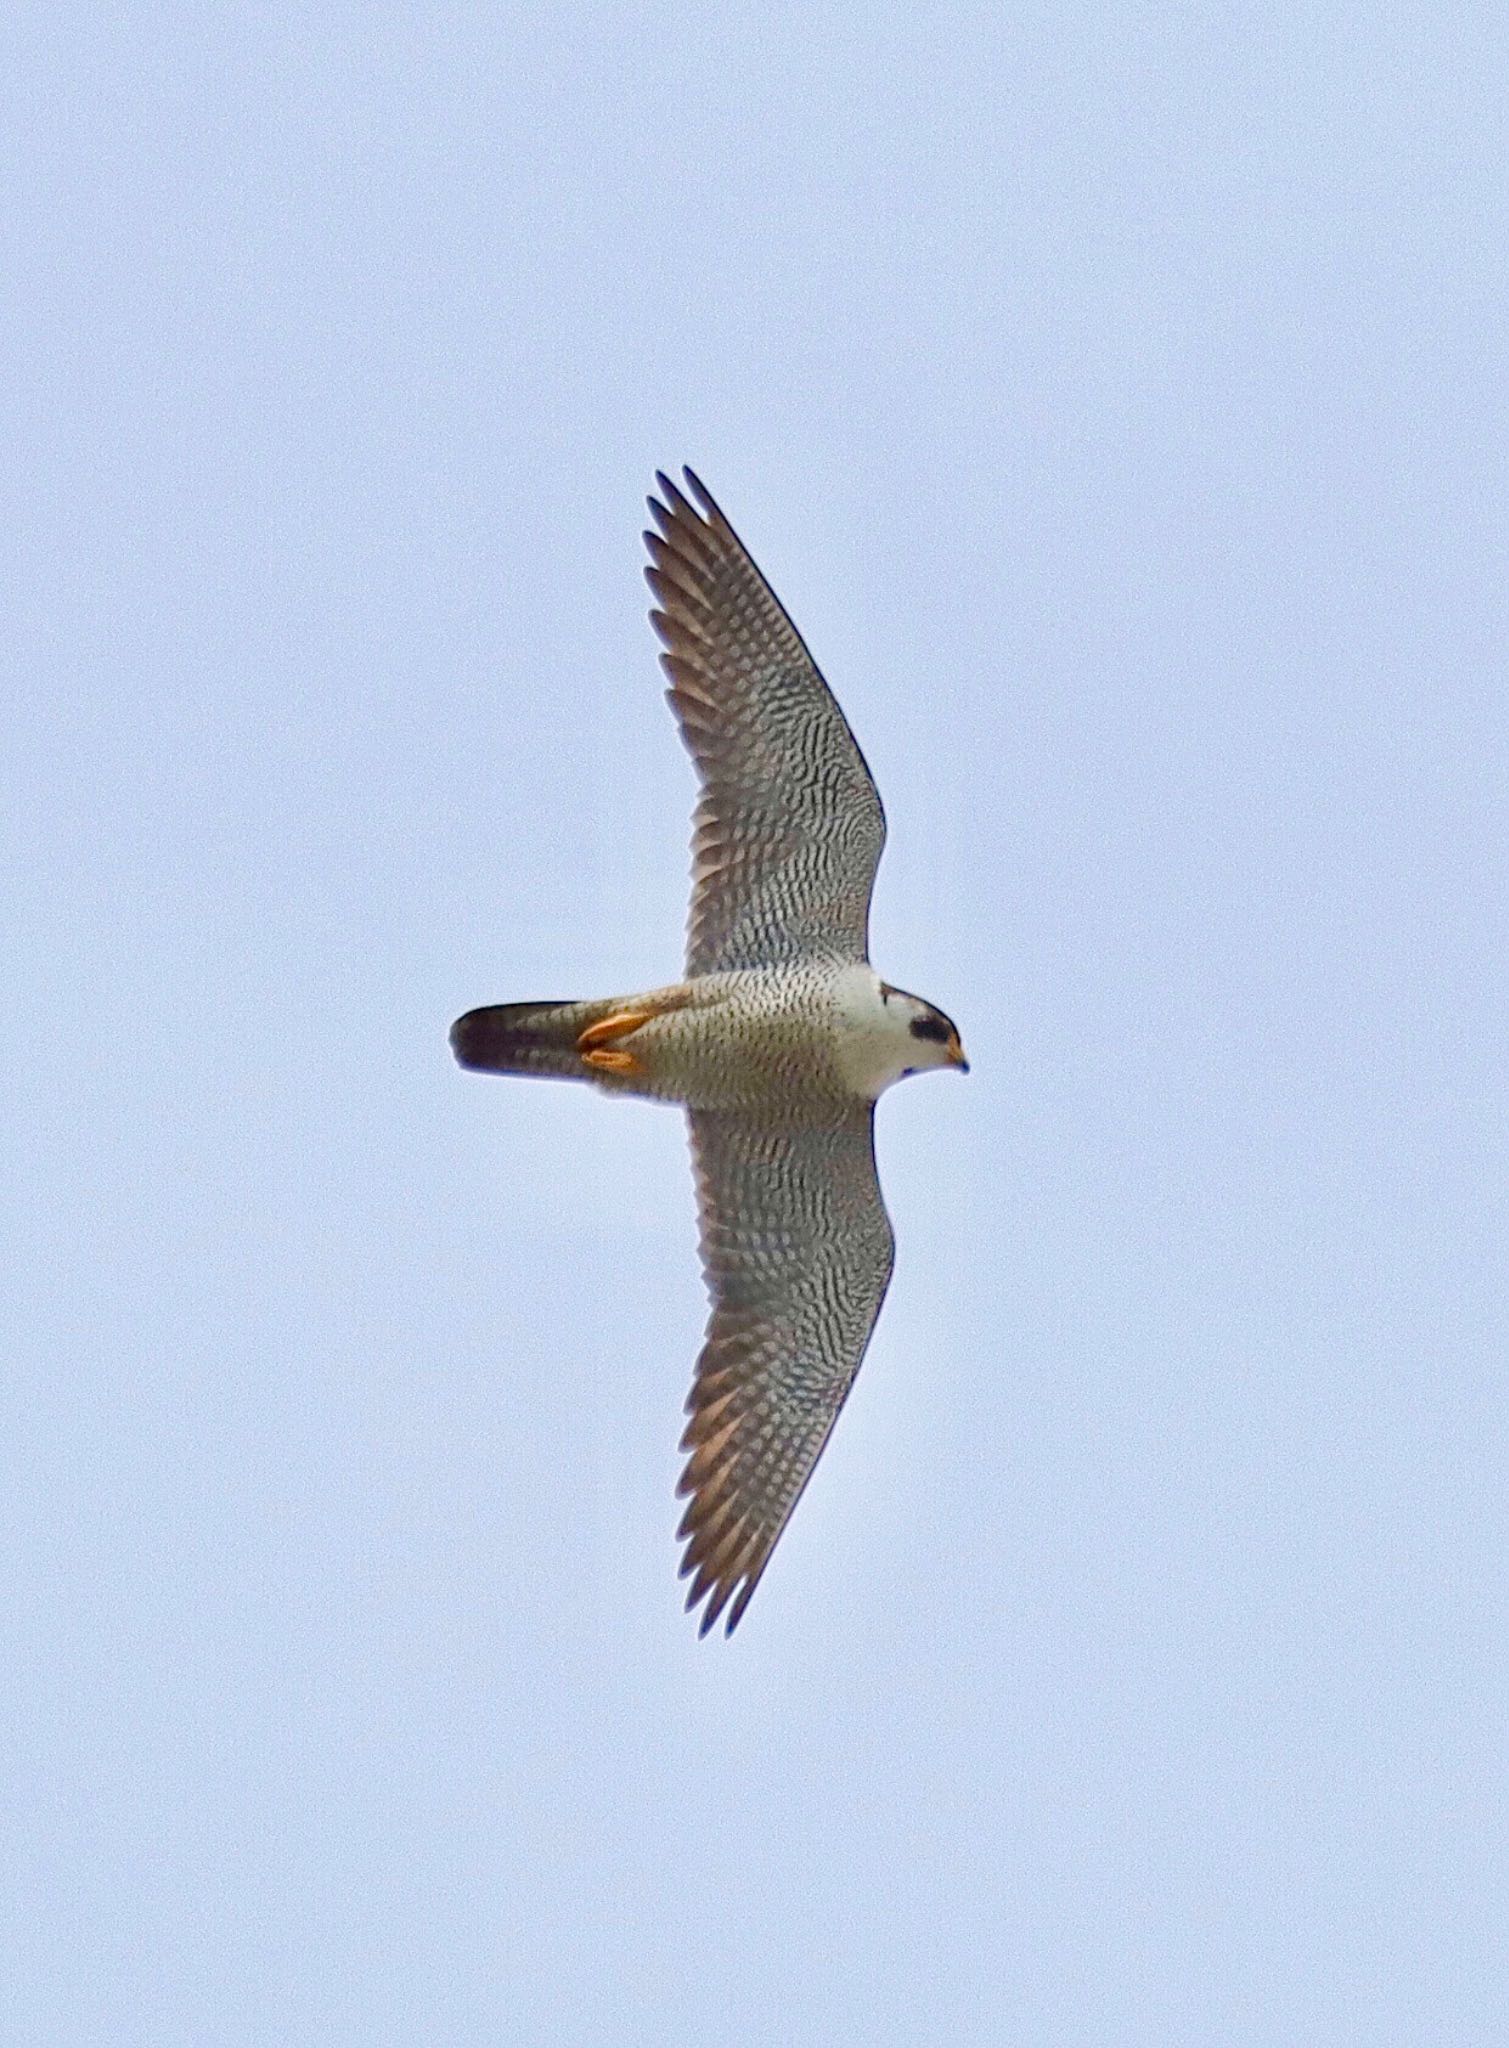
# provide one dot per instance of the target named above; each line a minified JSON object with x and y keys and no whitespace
{"x":789,"y":826}
{"x":797,"y":1249}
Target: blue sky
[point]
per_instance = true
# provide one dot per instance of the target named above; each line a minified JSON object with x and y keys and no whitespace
{"x":1117,"y":399}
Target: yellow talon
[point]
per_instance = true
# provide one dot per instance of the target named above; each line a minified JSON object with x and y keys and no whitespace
{"x":611,"y":1062}
{"x":619,"y":1025}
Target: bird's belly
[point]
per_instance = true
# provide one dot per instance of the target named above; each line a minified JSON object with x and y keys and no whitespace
{"x":754,"y":1047}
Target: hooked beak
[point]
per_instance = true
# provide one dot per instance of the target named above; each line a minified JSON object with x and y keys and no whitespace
{"x":956,"y":1055}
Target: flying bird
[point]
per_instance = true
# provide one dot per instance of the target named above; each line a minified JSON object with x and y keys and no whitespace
{"x":778,"y":1041}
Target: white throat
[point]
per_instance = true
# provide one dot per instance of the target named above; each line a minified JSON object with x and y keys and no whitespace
{"x":874,"y":1045}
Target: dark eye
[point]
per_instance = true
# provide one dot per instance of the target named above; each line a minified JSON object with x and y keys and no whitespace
{"x":930,"y":1027}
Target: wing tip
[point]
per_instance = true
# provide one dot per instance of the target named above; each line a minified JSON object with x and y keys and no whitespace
{"x":717,"y":1596}
{"x":703,"y":496}
{"x":696,"y":503}
{"x":673,"y":500}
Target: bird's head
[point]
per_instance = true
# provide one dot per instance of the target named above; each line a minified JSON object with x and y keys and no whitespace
{"x":932,"y":1040}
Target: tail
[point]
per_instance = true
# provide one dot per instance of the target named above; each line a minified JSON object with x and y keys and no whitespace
{"x":526,"y":1038}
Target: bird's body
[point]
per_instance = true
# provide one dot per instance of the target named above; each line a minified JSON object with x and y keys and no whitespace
{"x":777,"y":1042}
{"x":750,"y":1039}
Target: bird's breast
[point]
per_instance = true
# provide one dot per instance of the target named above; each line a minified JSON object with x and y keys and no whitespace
{"x":761,"y":1039}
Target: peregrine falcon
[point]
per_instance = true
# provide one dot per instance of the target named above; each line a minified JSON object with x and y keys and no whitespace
{"x":777,"y":1041}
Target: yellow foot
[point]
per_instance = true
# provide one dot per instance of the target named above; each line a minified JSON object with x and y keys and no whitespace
{"x":611,"y":1062}
{"x":619,"y":1025}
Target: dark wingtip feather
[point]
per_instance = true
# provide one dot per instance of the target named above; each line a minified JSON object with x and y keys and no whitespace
{"x":716,"y":1604}
{"x":699,"y":491}
{"x":675,"y":498}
